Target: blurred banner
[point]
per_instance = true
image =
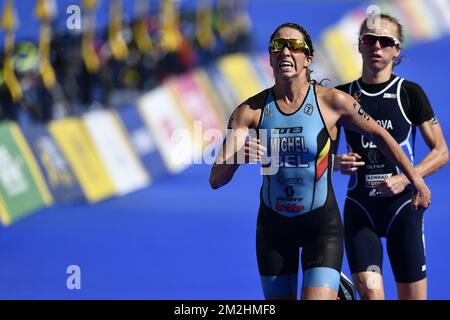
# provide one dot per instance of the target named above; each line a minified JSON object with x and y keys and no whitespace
{"x":54,"y":166}
{"x":22,"y":187}
{"x":115,"y":151}
{"x":74,"y":140}
{"x":238,"y":71}
{"x":172,"y":131}
{"x":194,"y":104}
{"x":143,"y":142}
{"x":261,"y":66}
{"x":208,"y":89}
{"x":223,"y":89}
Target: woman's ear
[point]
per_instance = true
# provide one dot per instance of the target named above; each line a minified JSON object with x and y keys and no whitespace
{"x":308,"y":61}
{"x":397,"y":52}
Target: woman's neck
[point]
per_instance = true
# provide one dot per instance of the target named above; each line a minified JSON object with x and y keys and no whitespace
{"x":376,"y":77}
{"x":290,"y":92}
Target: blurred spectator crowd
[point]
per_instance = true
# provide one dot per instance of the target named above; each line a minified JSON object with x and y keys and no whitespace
{"x":67,"y":72}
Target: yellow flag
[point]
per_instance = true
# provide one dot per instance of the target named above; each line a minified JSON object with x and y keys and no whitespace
{"x":90,"y":57}
{"x":117,"y":44}
{"x":224,"y":21}
{"x":43,"y":11}
{"x":45,"y":68}
{"x":204,"y":32}
{"x":170,"y":34}
{"x":140,"y":32}
{"x":90,"y":4}
{"x":9,"y":23}
{"x":9,"y":19}
{"x":143,"y":40}
{"x":241,"y":21}
{"x":11,"y":81}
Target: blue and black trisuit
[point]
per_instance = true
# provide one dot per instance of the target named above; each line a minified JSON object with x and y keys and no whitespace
{"x":298,"y":208}
{"x":399,"y":106}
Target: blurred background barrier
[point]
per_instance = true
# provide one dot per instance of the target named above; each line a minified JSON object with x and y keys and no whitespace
{"x":22,"y":187}
{"x":70,"y":80}
{"x":115,"y":151}
{"x":143,"y":142}
{"x":76,"y":143}
{"x":101,"y":99}
{"x":55,"y":168}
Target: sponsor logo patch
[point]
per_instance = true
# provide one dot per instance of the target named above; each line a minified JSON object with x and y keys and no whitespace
{"x":372,"y":180}
{"x":309,"y":109}
{"x":289,"y":207}
{"x":390,"y":95}
{"x":290,"y":180}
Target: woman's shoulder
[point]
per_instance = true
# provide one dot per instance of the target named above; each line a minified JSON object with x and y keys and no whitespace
{"x":258,"y":101}
{"x":410,"y":85}
{"x":407,"y":83}
{"x":413,"y":90}
{"x":249,"y":111}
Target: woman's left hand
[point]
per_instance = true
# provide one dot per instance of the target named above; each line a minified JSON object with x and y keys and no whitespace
{"x":392,"y":185}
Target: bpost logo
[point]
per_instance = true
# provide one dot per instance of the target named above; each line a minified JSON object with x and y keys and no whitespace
{"x":289,"y":207}
{"x":289,"y":196}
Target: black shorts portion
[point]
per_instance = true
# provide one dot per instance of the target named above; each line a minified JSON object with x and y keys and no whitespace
{"x":278,"y":239}
{"x":366,"y":220}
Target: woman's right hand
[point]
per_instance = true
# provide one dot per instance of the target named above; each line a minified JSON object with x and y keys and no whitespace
{"x":421,"y":197}
{"x":349,"y":162}
{"x":254,"y":150}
